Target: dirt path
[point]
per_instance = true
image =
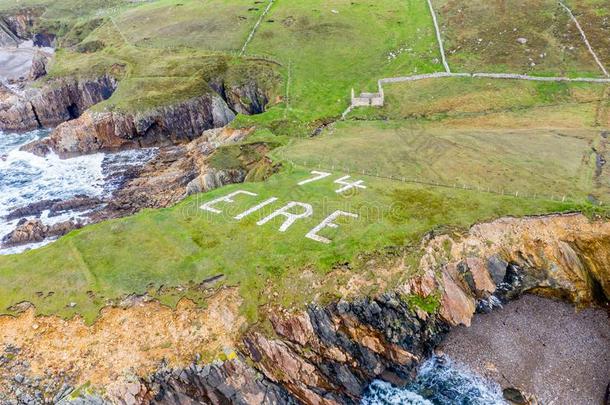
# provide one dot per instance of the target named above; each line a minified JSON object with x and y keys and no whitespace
{"x":540,"y":346}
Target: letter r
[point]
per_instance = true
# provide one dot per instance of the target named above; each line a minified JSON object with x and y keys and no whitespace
{"x":290,"y":217}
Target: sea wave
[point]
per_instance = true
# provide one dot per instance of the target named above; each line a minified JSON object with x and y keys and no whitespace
{"x":439,"y":381}
{"x":26,"y":178}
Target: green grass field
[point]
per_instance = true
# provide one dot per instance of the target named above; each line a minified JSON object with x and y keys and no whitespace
{"x":220,"y":25}
{"x":549,"y":162}
{"x":183,"y":245}
{"x":328,"y":47}
{"x":435,"y":99}
{"x":503,"y":135}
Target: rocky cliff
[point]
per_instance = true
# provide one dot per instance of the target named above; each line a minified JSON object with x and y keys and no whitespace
{"x":104,"y":131}
{"x":53,"y":103}
{"x":21,"y":23}
{"x":328,"y":354}
{"x":180,"y":171}
{"x":171,"y":124}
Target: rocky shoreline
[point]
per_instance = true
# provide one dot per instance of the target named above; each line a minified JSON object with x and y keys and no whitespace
{"x":540,"y":346}
{"x":186,"y":131}
{"x":173,"y":173}
{"x":329,"y":354}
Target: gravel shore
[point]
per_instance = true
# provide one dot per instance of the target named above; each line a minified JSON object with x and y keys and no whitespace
{"x":540,"y":346}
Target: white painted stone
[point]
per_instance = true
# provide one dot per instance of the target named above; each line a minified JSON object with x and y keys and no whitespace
{"x":347,"y":185}
{"x":290,"y":217}
{"x":328,"y":223}
{"x":319,"y":176}
{"x":209,"y":206}
{"x":256,"y":208}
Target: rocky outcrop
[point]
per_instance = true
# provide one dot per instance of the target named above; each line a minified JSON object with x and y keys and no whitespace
{"x":53,"y":103}
{"x":32,"y":231}
{"x":39,"y":66}
{"x":22,"y":22}
{"x":171,"y":124}
{"x":328,"y":355}
{"x":20,"y":25}
{"x":246,"y":98}
{"x":175,"y":173}
{"x":54,"y":207}
{"x":171,"y":174}
{"x":7,"y":37}
{"x":104,"y":131}
{"x":231,"y":382}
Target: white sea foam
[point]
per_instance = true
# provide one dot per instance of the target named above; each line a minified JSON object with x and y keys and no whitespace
{"x":439,"y":381}
{"x":383,"y":393}
{"x":26,"y":178}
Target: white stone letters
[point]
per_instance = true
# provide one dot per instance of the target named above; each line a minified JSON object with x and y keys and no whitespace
{"x":290,"y":217}
{"x":294,"y":210}
{"x":319,"y":176}
{"x":328,"y":223}
{"x":209,"y":206}
{"x":347,"y":185}
{"x":256,"y":208}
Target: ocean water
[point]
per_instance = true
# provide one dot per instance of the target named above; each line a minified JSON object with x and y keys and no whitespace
{"x":440,"y":381}
{"x":26,"y":178}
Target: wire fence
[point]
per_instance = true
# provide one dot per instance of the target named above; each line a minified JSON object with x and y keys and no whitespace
{"x":331,"y":166}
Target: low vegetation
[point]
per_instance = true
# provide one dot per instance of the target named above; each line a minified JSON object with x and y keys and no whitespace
{"x":524,"y":142}
{"x":169,"y":252}
{"x":517,"y":36}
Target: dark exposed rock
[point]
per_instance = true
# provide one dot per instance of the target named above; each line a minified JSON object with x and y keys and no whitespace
{"x":231,"y":382}
{"x":44,"y":40}
{"x":33,"y":209}
{"x":39,"y":66}
{"x":21,"y":23}
{"x":497,"y":268}
{"x":177,"y":172}
{"x":78,"y":203}
{"x":56,"y":102}
{"x":514,"y":396}
{"x":55,"y":207}
{"x":245,"y":99}
{"x":173,"y":124}
{"x":165,"y":126}
{"x":7,"y":37}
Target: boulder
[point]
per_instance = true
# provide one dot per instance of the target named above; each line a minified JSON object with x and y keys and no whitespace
{"x":34,"y":231}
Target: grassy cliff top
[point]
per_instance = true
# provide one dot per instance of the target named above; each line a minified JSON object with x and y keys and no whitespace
{"x":516,"y":148}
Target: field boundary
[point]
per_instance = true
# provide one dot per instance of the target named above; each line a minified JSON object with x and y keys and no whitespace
{"x":358,"y":101}
{"x":439,"y":38}
{"x":258,"y":23}
{"x":584,"y":37}
{"x":495,"y":76}
{"x":322,"y":165}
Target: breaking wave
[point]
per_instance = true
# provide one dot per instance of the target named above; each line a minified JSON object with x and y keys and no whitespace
{"x":439,"y":381}
{"x":26,"y":178}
